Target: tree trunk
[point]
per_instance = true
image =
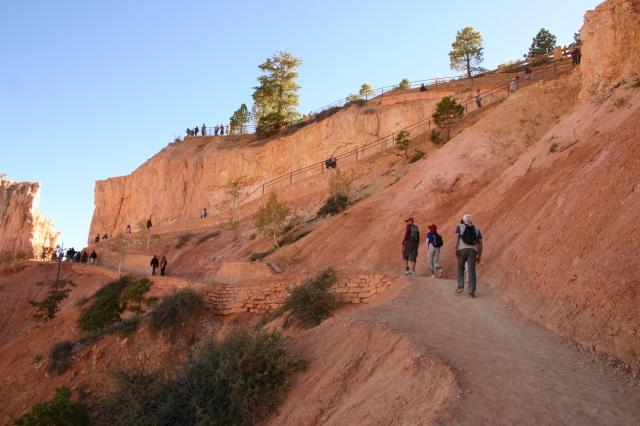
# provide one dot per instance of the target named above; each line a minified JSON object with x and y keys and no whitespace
{"x":448,"y":130}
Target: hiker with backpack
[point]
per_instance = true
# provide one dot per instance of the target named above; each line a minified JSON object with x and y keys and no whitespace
{"x":468,"y":249}
{"x":410,"y":244}
{"x":434,"y":242}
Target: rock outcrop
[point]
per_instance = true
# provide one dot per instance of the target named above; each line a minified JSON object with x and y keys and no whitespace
{"x":22,"y":227}
{"x":610,"y":39}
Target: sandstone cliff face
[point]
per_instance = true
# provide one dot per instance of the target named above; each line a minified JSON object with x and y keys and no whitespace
{"x":610,"y":39}
{"x":187,"y":176}
{"x":22,"y":227}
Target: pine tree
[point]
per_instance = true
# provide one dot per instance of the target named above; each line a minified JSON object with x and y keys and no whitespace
{"x":366,"y":91}
{"x":467,"y":51}
{"x":271,"y":218}
{"x":404,"y":84}
{"x":447,"y":111}
{"x":135,"y":294}
{"x":239,"y":120}
{"x":50,"y":306}
{"x":402,"y":142}
{"x":543,"y":43}
{"x":275,"y":99}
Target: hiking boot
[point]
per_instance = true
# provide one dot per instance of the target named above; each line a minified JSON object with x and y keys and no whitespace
{"x":407,"y":272}
{"x":459,"y":290}
{"x":432,"y":276}
{"x":413,"y":274}
{"x":471,"y":295}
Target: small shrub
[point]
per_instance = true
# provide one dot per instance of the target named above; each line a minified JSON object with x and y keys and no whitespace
{"x":435,"y":136}
{"x":82,"y":301}
{"x":175,"y":316}
{"x":415,"y":157}
{"x":258,"y":256}
{"x":59,"y":411}
{"x":37,"y":358}
{"x":59,"y":357}
{"x":358,"y":102}
{"x":554,"y":147}
{"x":310,"y":303}
{"x":125,"y":328}
{"x":118,"y":286}
{"x":620,"y":102}
{"x":636,"y":84}
{"x":326,"y":113}
{"x":237,"y":381}
{"x":182,"y":240}
{"x":104,"y":312}
{"x":292,"y":128}
{"x":334,"y":205}
{"x":437,"y":184}
{"x":207,"y":237}
{"x":297,"y":237}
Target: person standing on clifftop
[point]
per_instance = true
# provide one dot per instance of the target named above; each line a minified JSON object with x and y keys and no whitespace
{"x":149,"y":225}
{"x":226,"y":127}
{"x":216,"y":130}
{"x":204,"y":130}
{"x":410,"y":244}
{"x":222,"y":130}
{"x":154,"y":264}
{"x":93,"y":257}
{"x":468,"y":249}
{"x":163,"y":265}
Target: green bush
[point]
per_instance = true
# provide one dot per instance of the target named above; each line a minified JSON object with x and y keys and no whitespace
{"x":310,"y":303}
{"x":118,"y":285}
{"x":182,"y":240}
{"x":435,"y":136}
{"x":59,"y":357}
{"x":125,"y":328}
{"x":334,"y":205}
{"x":59,"y":411}
{"x":207,"y":237}
{"x":258,"y":256}
{"x":237,"y":381}
{"x":104,"y":312}
{"x":415,"y":157}
{"x":175,"y":316}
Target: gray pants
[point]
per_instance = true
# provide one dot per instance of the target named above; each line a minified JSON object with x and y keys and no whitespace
{"x":467,"y":255}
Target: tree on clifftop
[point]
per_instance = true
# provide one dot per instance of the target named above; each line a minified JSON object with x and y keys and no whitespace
{"x":543,"y":43}
{"x":240,"y":119}
{"x":366,"y":90}
{"x":275,"y":99}
{"x":447,"y":111}
{"x":467,"y":54}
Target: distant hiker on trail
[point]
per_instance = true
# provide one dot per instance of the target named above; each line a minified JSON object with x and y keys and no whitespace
{"x":163,"y":265}
{"x":331,"y":163}
{"x":149,"y":225}
{"x":527,"y":73}
{"x":84,"y":257}
{"x":154,"y":264}
{"x":423,"y":88}
{"x":468,"y":248}
{"x":97,"y":239}
{"x":478,"y":99}
{"x":105,"y":236}
{"x":513,"y":86}
{"x":410,"y":244}
{"x":221,"y":130}
{"x":189,"y":132}
{"x":434,"y":242}
{"x":203,"y":214}
{"x":204,"y":130}
{"x":76,"y":259}
{"x":93,"y":257}
{"x":196,"y":130}
{"x":70,"y":253}
{"x":128,"y":230}
{"x":216,"y":130}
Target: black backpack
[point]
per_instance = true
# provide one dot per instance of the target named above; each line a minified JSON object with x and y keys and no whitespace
{"x":469,"y":235}
{"x":415,"y":233}
{"x":437,"y":240}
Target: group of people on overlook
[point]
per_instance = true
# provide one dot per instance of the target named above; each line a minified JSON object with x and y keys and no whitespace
{"x":468,"y":250}
{"x":218,"y":130}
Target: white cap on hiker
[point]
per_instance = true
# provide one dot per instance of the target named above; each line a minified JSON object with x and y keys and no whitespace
{"x":467,"y":218}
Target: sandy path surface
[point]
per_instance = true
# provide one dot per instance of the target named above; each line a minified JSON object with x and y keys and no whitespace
{"x":516,"y":371}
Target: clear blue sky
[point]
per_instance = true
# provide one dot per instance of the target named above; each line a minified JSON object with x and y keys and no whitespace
{"x":91,"y":90}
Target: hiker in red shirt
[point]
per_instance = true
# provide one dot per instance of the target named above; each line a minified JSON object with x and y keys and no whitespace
{"x":410,"y":244}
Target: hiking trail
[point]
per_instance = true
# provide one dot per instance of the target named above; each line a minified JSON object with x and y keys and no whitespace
{"x":516,"y":371}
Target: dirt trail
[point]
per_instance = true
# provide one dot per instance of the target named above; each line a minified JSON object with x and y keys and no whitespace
{"x":516,"y":371}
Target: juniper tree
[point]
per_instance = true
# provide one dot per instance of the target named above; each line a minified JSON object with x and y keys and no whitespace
{"x":543,"y":43}
{"x":239,"y":120}
{"x":447,"y":111}
{"x":466,"y":54}
{"x":275,"y":99}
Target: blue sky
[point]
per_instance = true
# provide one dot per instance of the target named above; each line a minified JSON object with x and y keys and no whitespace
{"x":91,"y":90}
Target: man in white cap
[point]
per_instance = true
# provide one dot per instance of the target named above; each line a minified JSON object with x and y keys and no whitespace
{"x":468,"y":243}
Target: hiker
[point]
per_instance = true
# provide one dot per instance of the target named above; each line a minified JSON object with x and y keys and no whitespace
{"x":331,"y":163}
{"x":196,"y":130}
{"x":149,"y":225}
{"x":84,"y":257}
{"x":434,"y":242}
{"x":221,"y":130}
{"x":54,"y":257}
{"x":216,"y":130}
{"x":574,"y":57}
{"x":97,"y":239}
{"x":203,"y":214}
{"x":128,"y":229}
{"x":93,"y":257}
{"x":527,"y":73}
{"x":105,"y":236}
{"x":76,"y":259}
{"x":154,"y":264}
{"x":478,"y":99}
{"x":204,"y":130}
{"x":410,"y":244}
{"x":189,"y":132}
{"x":163,"y":265}
{"x":468,"y":248}
{"x":423,"y":88}
{"x":226,"y":127}
{"x":514,"y":84}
